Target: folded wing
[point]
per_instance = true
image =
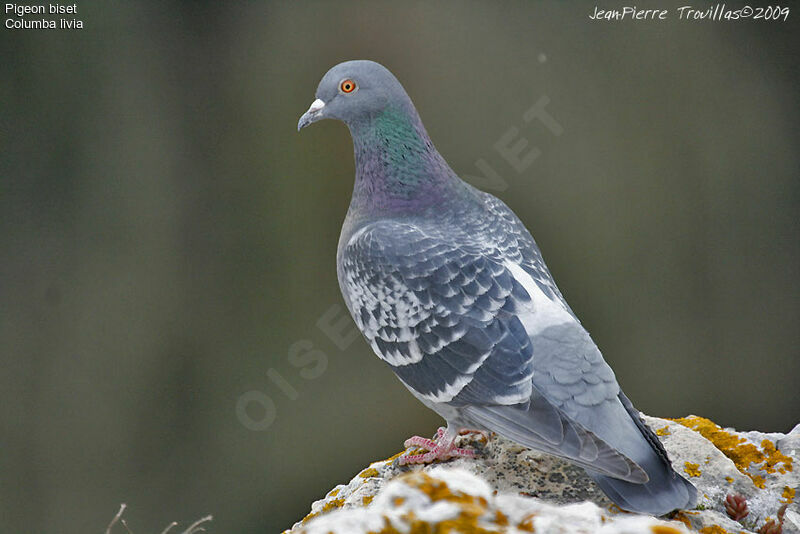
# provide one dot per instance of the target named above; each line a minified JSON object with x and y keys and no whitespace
{"x":454,"y":322}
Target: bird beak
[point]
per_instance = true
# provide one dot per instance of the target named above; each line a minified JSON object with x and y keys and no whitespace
{"x":313,"y":114}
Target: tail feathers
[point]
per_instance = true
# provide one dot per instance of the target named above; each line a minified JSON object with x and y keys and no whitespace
{"x":541,"y":426}
{"x":665,"y":490}
{"x":639,"y":480}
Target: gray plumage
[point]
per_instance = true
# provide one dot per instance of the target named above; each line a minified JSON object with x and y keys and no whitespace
{"x":450,"y":290}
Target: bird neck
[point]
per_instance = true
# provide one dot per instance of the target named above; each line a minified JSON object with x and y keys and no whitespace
{"x":398,"y":170}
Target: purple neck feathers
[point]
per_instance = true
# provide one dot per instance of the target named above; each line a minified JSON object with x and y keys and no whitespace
{"x":398,"y":170}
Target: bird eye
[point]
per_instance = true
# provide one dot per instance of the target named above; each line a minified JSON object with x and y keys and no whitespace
{"x":347,"y":86}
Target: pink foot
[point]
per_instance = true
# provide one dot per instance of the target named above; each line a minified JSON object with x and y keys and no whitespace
{"x":441,"y":447}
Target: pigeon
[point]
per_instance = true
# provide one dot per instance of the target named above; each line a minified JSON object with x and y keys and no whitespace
{"x":450,"y":290}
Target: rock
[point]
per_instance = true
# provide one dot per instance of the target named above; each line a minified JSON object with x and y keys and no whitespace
{"x":723,"y":462}
{"x":453,"y":499}
{"x":790,"y":444}
{"x":509,"y":488}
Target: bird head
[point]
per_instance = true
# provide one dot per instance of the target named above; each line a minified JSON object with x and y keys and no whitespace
{"x":354,"y":92}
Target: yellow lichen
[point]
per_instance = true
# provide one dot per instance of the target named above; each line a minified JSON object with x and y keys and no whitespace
{"x":729,"y":479}
{"x":526,"y":525}
{"x":328,"y":506}
{"x":683,"y":518}
{"x":500,"y":519}
{"x":366,"y":499}
{"x":693,"y":470}
{"x":713,"y":529}
{"x":773,"y":457}
{"x":308,"y":517}
{"x":614,"y":509}
{"x":387,"y":528}
{"x":663,"y":431}
{"x":743,"y":453}
{"x":663,"y":529}
{"x":369,"y":472}
{"x":788,"y":495}
{"x":392,"y":458}
{"x":333,"y":493}
{"x":332,"y":504}
{"x":471,"y":508}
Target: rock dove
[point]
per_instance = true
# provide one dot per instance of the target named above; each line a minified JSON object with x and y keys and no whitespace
{"x":450,"y":290}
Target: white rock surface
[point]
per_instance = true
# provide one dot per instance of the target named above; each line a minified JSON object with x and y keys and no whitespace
{"x":508,"y":488}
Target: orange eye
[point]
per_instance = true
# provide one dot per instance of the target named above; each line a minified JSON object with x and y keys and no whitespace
{"x":347,"y":86}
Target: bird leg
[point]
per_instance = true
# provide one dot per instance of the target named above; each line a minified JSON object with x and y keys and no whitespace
{"x":441,"y":447}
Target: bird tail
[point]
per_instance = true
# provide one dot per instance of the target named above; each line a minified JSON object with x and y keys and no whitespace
{"x":665,"y":490}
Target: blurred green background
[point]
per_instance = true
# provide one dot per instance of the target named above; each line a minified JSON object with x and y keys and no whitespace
{"x":166,"y":236}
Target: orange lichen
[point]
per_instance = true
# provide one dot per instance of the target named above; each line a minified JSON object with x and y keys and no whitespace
{"x":614,"y":509}
{"x":729,"y":480}
{"x":526,"y":525}
{"x":369,"y":472}
{"x":387,"y":528}
{"x":683,"y":518}
{"x":332,"y":504}
{"x":788,"y":495}
{"x":774,"y":457}
{"x":500,"y":519}
{"x":663,"y":431}
{"x":693,"y":470}
{"x":366,"y":499}
{"x":328,"y":506}
{"x":308,"y":517}
{"x":713,"y":529}
{"x":663,"y":529}
{"x":743,"y":453}
{"x":394,"y":457}
{"x":471,"y":507}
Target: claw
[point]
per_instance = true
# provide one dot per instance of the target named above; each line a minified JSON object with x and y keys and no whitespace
{"x":441,"y":447}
